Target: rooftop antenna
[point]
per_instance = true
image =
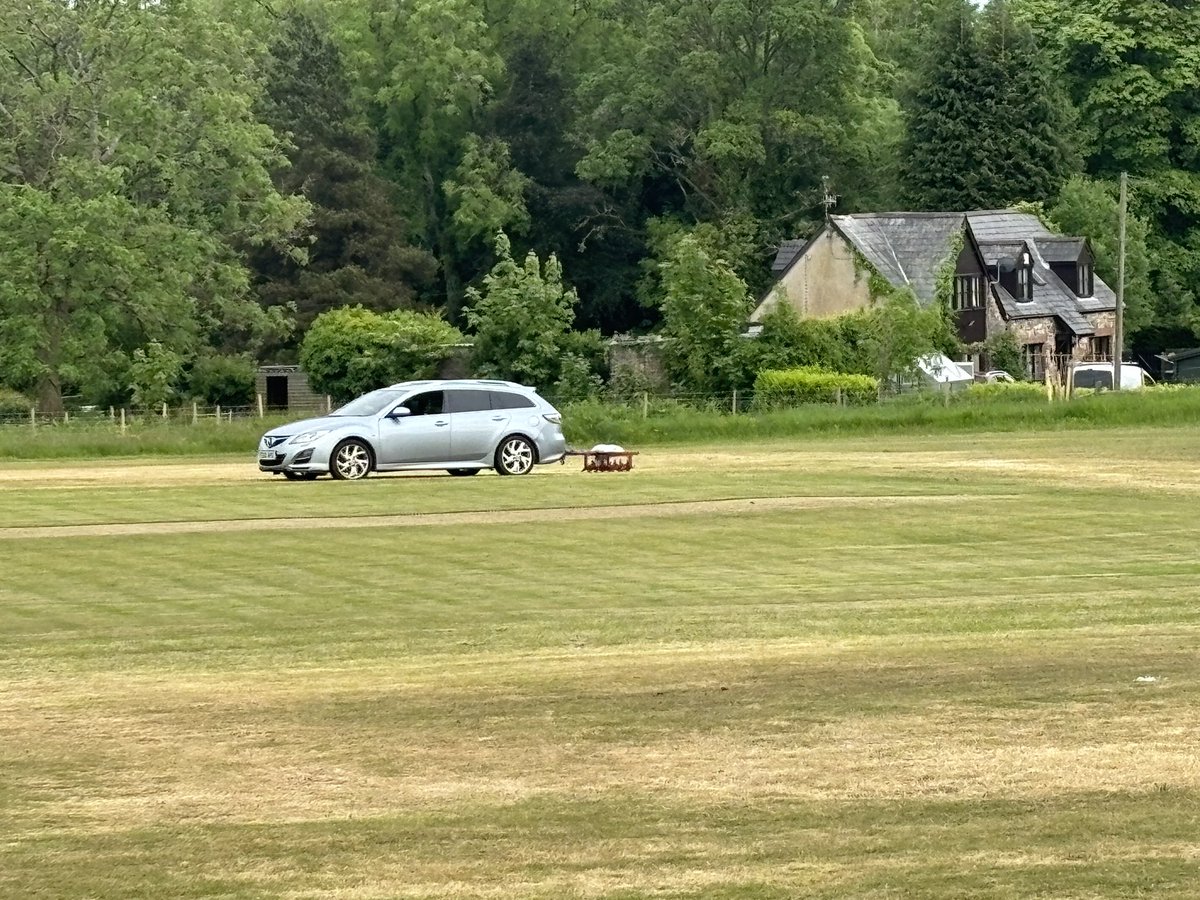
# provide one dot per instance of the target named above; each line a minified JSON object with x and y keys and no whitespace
{"x":830,"y":199}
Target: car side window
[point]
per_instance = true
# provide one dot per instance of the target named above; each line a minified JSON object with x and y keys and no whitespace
{"x":428,"y":403}
{"x":506,"y":400}
{"x":467,"y":401}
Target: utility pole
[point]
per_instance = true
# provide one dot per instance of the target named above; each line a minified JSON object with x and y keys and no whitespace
{"x":1119,"y":331}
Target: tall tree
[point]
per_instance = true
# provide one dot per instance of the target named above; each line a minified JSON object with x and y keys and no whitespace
{"x":430,"y":68}
{"x":732,"y":111}
{"x":357,"y":251}
{"x":1134,"y":74}
{"x":1029,"y":123}
{"x":949,"y":164}
{"x":133,"y":174}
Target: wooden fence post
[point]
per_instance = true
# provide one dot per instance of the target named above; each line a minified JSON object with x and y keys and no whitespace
{"x":122,"y":420}
{"x":218,"y":413}
{"x":164,"y":409}
{"x":33,"y":417}
{"x":66,"y":417}
{"x":735,"y":401}
{"x":645,"y":404}
{"x":260,"y":405}
{"x":195,"y":413}
{"x":328,"y":404}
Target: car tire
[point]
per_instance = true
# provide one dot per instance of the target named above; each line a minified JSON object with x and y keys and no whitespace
{"x":300,"y":476}
{"x":463,"y":472}
{"x":515,"y":456}
{"x":351,"y":460}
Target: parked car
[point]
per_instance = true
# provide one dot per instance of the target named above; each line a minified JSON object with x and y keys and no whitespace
{"x":994,"y":375}
{"x":1099,"y":376}
{"x":462,"y":426}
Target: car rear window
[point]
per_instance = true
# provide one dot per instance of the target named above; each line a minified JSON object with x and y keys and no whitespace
{"x":505,"y":400}
{"x":467,"y":401}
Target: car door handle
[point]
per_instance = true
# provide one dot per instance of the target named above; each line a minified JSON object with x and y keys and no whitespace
{"x":441,"y":424}
{"x":498,"y":418}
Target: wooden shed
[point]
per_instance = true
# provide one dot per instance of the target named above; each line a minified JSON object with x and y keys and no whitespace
{"x":287,"y":388}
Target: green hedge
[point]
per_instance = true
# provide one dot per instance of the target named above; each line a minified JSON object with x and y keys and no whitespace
{"x":786,"y":388}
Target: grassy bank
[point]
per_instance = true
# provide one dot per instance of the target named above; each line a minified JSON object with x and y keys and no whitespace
{"x":662,"y":423}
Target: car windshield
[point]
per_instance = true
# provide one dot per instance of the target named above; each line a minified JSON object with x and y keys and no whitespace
{"x":369,"y":404}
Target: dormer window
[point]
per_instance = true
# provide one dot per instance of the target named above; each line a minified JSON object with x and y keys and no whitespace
{"x":1024,"y":280}
{"x":1086,"y":285}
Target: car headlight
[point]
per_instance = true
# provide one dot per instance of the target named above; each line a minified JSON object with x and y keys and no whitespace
{"x":309,"y":437}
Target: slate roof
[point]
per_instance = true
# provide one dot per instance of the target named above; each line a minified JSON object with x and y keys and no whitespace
{"x":905,"y":248}
{"x":1061,"y":249}
{"x":788,"y":251}
{"x":908,"y":248}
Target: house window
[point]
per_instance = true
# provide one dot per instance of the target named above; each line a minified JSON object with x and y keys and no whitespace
{"x":967,"y":292}
{"x":1102,"y":348}
{"x":1024,"y":283}
{"x":1086,"y":286}
{"x":1035,"y":362}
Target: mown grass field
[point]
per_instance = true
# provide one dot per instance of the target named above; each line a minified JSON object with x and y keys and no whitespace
{"x":878,"y":667}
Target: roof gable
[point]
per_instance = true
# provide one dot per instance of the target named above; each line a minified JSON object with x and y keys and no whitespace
{"x":905,"y":248}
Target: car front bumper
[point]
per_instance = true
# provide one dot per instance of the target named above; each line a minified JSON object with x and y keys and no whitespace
{"x":293,"y":459}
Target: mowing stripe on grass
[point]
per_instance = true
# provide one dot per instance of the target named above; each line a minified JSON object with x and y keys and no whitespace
{"x":513,"y":516}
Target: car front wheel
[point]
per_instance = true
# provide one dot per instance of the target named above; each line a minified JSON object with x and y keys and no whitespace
{"x":514,"y":456}
{"x":351,"y":460}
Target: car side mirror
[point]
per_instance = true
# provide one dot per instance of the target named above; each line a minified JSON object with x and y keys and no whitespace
{"x":399,"y":412}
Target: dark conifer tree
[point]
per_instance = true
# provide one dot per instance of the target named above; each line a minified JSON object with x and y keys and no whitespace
{"x":948,"y":161}
{"x":357,"y":250}
{"x":1030,"y":122}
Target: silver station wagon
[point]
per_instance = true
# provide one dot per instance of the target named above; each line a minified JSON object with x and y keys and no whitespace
{"x":462,"y":426}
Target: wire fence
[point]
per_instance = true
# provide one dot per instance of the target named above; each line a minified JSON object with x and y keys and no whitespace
{"x":648,"y":402}
{"x":164,"y":414}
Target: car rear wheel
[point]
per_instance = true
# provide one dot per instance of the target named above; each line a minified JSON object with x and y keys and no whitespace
{"x":463,"y":471}
{"x":351,"y":460}
{"x":300,"y":476}
{"x":514,"y":456}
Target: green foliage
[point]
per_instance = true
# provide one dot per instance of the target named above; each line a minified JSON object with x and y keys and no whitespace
{"x":899,"y":332}
{"x":781,"y":389}
{"x":1004,"y":352}
{"x":153,"y":374}
{"x":840,"y":344}
{"x":989,"y":124}
{"x":355,"y":249}
{"x":704,"y":306}
{"x":353,"y":350}
{"x":522,"y":323}
{"x":226,"y":381}
{"x":13,"y":403}
{"x":715,"y":128}
{"x":1004,"y":391}
{"x":134,"y":173}
{"x":1089,"y":208}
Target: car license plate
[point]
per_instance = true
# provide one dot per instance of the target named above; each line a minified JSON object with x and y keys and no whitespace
{"x":266,"y":454}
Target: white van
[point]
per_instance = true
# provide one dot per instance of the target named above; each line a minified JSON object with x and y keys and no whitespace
{"x":1099,"y":376}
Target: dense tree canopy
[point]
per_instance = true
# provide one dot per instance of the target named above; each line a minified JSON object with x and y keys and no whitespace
{"x":186,"y":180}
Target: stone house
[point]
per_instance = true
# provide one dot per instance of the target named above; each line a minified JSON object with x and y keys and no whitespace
{"x":999,"y":270}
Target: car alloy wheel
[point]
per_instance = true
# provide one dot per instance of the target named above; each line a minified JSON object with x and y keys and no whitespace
{"x":351,"y":461}
{"x":514,"y":456}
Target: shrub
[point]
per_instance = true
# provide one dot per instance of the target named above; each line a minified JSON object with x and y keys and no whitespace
{"x":779,"y":389}
{"x":13,"y":403}
{"x":222,"y":380}
{"x":352,"y":350}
